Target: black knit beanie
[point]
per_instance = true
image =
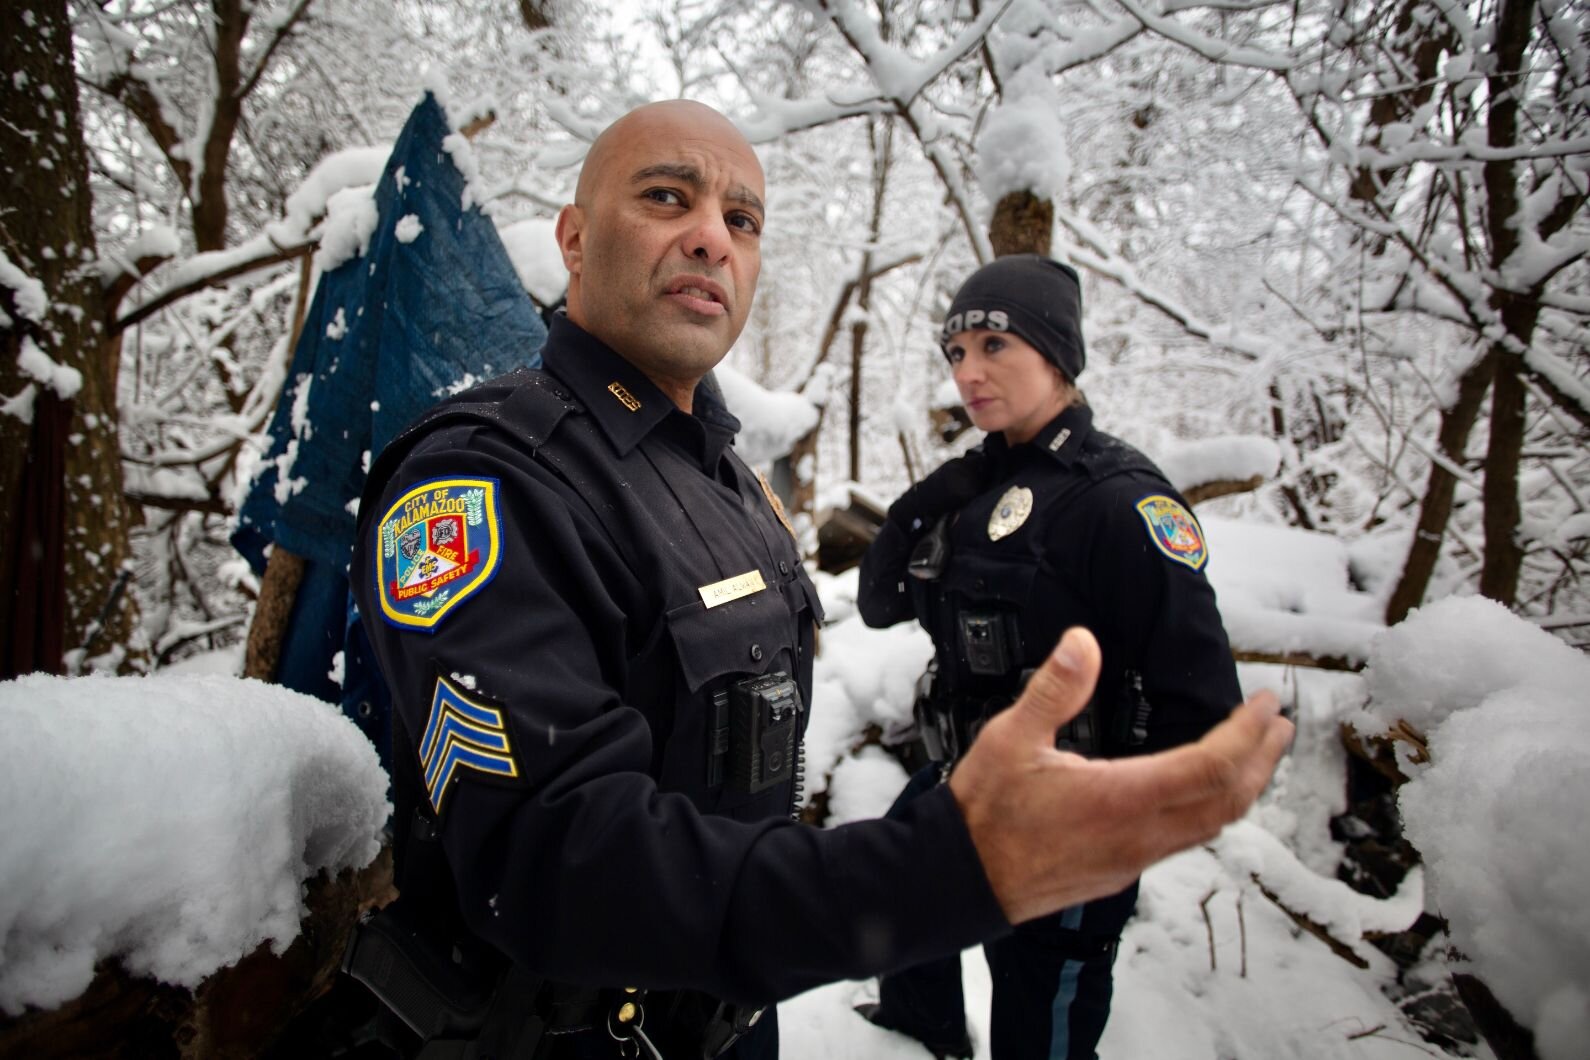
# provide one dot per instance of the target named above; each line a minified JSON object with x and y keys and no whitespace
{"x":1028,"y":295}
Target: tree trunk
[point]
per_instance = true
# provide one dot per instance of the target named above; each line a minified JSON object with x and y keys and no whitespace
{"x":1504,"y":552}
{"x":858,"y":346}
{"x":1436,"y":508}
{"x":535,"y":15}
{"x":1417,"y":57}
{"x":882,"y":156}
{"x":278,"y":591}
{"x":803,"y":472}
{"x":47,"y":231}
{"x":1022,"y":224}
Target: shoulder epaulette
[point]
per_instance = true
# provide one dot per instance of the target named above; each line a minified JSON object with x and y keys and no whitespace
{"x":527,"y":403}
{"x":1105,"y":456}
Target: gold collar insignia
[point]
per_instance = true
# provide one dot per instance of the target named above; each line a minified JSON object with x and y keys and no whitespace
{"x":625,"y":398}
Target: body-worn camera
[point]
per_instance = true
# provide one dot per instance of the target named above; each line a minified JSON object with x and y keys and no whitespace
{"x":989,"y":644}
{"x":755,"y":724}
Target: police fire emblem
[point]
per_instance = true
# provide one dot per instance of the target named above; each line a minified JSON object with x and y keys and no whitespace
{"x":1174,"y":530}
{"x":1011,"y":511}
{"x":436,"y":545}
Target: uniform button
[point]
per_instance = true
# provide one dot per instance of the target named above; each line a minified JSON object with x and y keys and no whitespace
{"x":756,"y":652}
{"x":783,"y":568}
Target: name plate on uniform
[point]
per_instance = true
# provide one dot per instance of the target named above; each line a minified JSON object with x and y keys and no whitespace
{"x":732,"y":588}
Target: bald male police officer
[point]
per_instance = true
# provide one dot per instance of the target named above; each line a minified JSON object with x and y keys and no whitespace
{"x":599,"y":638}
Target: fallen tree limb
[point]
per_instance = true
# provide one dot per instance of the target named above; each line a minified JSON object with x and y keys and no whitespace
{"x":1341,"y":949}
{"x":1339,"y":663}
{"x":1208,"y":491}
{"x":1380,"y":751}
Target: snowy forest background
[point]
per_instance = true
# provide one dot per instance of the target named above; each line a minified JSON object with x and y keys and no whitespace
{"x":1350,"y":233}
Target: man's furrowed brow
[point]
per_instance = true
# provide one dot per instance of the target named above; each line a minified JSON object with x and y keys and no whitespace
{"x":685,"y":173}
{"x":746,"y":197}
{"x":680,"y":171}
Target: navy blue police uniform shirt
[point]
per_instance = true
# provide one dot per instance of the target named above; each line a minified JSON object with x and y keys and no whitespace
{"x":1106,"y":543}
{"x":535,"y":562}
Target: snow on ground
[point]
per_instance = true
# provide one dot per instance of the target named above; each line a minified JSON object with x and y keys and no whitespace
{"x":170,"y":821}
{"x":1505,"y":710}
{"x":1297,"y":999}
{"x":228,"y":794}
{"x":1286,"y":590}
{"x":1510,"y":870}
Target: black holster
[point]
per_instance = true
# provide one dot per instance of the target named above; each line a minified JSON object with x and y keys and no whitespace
{"x":948,"y":723}
{"x":456,"y":1014}
{"x":479,"y":1005}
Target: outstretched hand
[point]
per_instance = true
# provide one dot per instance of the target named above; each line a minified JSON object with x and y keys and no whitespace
{"x":1054,"y":829}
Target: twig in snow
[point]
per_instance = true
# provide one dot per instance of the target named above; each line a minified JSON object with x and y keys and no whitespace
{"x":1209,"y":927}
{"x":1242,"y":933}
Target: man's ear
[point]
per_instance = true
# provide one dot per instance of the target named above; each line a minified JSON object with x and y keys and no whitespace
{"x":570,"y":232}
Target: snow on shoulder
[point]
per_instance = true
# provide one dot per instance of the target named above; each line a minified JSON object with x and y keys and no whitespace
{"x":1498,"y":812}
{"x":170,"y":822}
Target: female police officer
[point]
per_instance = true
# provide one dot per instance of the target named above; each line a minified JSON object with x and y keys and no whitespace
{"x":1047,"y":524}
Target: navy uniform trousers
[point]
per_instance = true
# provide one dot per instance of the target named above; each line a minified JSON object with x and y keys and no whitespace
{"x":1052,"y":980}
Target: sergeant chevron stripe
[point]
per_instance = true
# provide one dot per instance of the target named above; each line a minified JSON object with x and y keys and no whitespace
{"x":464,"y":733}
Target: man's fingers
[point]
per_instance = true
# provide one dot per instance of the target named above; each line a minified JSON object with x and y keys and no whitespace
{"x":1253,"y":739}
{"x":1060,"y":688}
{"x":1230,"y":766}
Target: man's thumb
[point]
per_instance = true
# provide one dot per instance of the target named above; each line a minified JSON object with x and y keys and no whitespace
{"x":1061,"y":687}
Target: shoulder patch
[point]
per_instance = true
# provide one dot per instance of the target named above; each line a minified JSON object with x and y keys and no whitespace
{"x":1173,"y":530}
{"x":435,"y":546}
{"x":462,"y":734}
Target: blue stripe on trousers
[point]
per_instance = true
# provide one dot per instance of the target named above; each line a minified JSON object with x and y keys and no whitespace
{"x":1066,"y":995}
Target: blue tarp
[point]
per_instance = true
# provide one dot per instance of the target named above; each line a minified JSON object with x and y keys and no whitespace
{"x":417,"y":319}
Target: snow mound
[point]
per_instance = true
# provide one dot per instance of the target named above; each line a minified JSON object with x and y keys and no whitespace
{"x":533,"y":248}
{"x":168,"y":821}
{"x":1453,"y":655}
{"x":1498,"y":812}
{"x":1287,"y":590}
{"x":1234,"y":458}
{"x":351,"y":219}
{"x":1022,"y":148}
{"x":771,"y":421}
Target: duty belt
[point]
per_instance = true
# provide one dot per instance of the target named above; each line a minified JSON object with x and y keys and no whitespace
{"x":464,"y":1010}
{"x":949,"y":723}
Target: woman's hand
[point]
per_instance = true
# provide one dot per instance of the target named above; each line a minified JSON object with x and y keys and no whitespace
{"x":947,"y":489}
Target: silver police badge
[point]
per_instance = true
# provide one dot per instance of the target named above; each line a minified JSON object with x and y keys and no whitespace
{"x":1011,"y":511}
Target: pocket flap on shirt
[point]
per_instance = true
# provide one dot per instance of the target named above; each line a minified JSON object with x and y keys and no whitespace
{"x":743,"y":636}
